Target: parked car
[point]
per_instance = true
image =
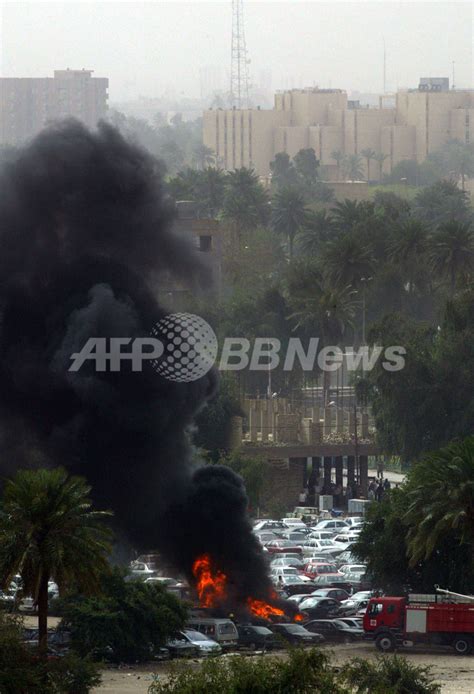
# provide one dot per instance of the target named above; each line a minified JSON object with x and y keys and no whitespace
{"x":321,"y":535}
{"x":299,"y":597}
{"x":294,"y":536}
{"x":287,"y":560}
{"x":352,"y":606}
{"x":331,"y":524}
{"x":324,"y":547}
{"x":345,"y":540}
{"x":355,"y":622}
{"x":271,"y":525}
{"x":223,"y":631}
{"x":319,"y":607}
{"x":335,"y":631}
{"x":293,"y":523}
{"x":354,"y":521}
{"x":256,"y":637}
{"x":265,"y":536}
{"x":139,"y":569}
{"x":335,"y":593}
{"x":332,"y":581}
{"x":277,"y":546}
{"x":292,"y":586}
{"x":179,"y":646}
{"x":284,"y":571}
{"x":353,"y":568}
{"x":296,"y":634}
{"x":314,"y":569}
{"x":204,"y":644}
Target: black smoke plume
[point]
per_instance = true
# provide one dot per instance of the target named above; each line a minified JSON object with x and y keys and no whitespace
{"x":85,"y":235}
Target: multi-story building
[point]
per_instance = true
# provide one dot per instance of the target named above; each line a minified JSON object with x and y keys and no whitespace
{"x":27,"y":104}
{"x":418,"y":122}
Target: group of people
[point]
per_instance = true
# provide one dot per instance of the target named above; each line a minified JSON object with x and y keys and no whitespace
{"x":377,"y":489}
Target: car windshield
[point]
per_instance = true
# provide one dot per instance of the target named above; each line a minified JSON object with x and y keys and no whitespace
{"x":295,"y":629}
{"x":325,"y":543}
{"x":310,"y":602}
{"x":226,"y":629}
{"x":263,"y":631}
{"x":196,"y":636}
{"x":326,"y":569}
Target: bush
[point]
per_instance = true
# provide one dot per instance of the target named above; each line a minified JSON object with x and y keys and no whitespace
{"x":72,"y":675}
{"x":18,"y":671}
{"x":388,"y":675}
{"x":304,"y":672}
{"x":128,"y":621}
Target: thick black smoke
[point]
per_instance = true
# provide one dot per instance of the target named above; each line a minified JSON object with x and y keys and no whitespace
{"x":84,"y":238}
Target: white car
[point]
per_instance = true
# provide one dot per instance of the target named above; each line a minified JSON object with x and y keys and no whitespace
{"x":205,"y":645}
{"x":331,"y":524}
{"x":321,"y":535}
{"x":353,"y":569}
{"x":354,"y":521}
{"x":320,"y":547}
{"x":139,"y":569}
{"x":345,"y":539}
{"x":286,"y":571}
{"x":293,"y":523}
{"x":268,"y":525}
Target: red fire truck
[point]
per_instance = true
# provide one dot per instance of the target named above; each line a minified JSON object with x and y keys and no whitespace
{"x":444,"y":618}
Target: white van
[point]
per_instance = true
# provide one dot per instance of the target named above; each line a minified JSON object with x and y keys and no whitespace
{"x":223,"y":631}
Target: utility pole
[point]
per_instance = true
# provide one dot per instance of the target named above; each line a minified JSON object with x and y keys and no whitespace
{"x":239,"y":72}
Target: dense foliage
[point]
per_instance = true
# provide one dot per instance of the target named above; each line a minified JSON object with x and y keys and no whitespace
{"x":428,"y":526}
{"x":304,"y":672}
{"x":127,"y":621}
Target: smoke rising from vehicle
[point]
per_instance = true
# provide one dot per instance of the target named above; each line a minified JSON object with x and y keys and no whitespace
{"x":85,"y":238}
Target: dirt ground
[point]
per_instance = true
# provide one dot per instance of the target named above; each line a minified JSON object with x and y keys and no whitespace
{"x":455,"y":674}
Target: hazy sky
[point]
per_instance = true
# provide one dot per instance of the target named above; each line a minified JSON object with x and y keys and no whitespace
{"x":147,"y":47}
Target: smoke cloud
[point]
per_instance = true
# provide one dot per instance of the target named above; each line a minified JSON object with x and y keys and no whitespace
{"x":85,"y":236}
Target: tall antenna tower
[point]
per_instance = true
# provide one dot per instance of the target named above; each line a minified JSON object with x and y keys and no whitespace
{"x":239,"y":67}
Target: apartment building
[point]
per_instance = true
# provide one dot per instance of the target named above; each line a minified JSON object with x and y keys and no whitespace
{"x":27,"y":104}
{"x":420,"y":121}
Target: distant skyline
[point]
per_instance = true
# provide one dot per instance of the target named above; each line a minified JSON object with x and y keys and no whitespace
{"x":148,"y":48}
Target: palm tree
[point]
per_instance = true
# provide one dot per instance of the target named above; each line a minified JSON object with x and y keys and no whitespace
{"x":346,"y":261}
{"x":318,"y":228}
{"x":408,"y":249}
{"x":288,"y":214}
{"x":352,"y":166}
{"x":452,"y":251}
{"x":49,"y":532}
{"x":349,"y":214}
{"x":380,"y":158}
{"x":245,"y":204}
{"x":209,"y":190}
{"x":441,"y":493}
{"x":202,"y":156}
{"x":338,"y":157}
{"x":368,"y":154}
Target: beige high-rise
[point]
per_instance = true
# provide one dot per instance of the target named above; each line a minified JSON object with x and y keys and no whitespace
{"x":420,"y":123}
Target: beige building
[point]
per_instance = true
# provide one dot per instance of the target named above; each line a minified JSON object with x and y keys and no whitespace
{"x":420,"y":122}
{"x":27,"y":104}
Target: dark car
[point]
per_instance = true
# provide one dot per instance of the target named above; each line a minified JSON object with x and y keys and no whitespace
{"x":332,"y":581}
{"x":297,"y":634}
{"x":256,"y":637}
{"x":280,"y":546}
{"x":334,"y":593}
{"x":317,"y":607}
{"x":335,"y":631}
{"x":179,"y":647}
{"x":295,"y":588}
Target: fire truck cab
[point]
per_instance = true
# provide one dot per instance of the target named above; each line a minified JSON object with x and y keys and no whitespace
{"x":392,"y":622}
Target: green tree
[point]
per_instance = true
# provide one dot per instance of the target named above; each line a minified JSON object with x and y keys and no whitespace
{"x":307,"y":166}
{"x":214,"y":421}
{"x":393,"y":675}
{"x":346,"y":260}
{"x":456,"y":159}
{"x":202,"y":156}
{"x":338,"y":157}
{"x":408,"y":248}
{"x":209,"y":191}
{"x":245,"y":205}
{"x":288,"y":214}
{"x":352,"y":167}
{"x":441,"y":500}
{"x":442,"y":202}
{"x":380,"y":158}
{"x":368,"y":155}
{"x":282,"y":170}
{"x":452,"y":251}
{"x":126,"y":621}
{"x":318,"y":228}
{"x":48,"y":531}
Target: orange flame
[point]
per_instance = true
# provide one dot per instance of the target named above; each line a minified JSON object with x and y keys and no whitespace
{"x":211,"y":586}
{"x":263,"y":609}
{"x":298,"y":618}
